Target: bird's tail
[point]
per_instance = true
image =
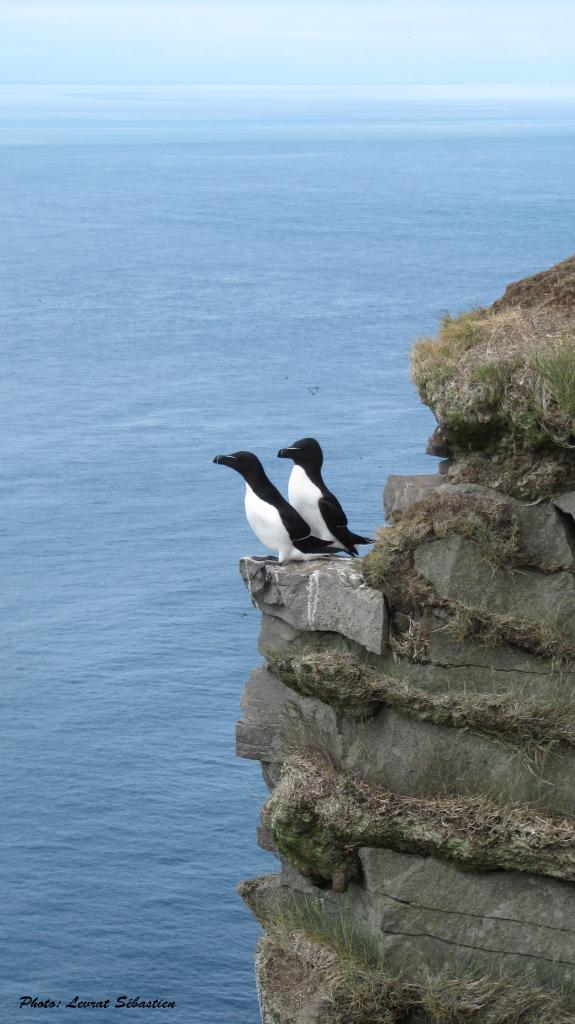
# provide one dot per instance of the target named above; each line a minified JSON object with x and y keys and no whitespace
{"x":354,"y":538}
{"x":315,"y":546}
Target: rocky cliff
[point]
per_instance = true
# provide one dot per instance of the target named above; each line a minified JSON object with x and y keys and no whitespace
{"x":415,"y":713}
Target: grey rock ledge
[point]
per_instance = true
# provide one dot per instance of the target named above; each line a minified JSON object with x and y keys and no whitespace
{"x":324,"y":594}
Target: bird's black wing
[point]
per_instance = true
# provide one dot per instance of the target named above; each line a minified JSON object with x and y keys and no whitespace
{"x":300,"y":532}
{"x":336,"y":521}
{"x":332,"y":511}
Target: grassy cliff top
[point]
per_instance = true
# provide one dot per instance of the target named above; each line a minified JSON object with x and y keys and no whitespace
{"x":501,"y":379}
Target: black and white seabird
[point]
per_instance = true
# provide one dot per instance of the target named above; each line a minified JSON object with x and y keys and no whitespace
{"x":275,"y":523}
{"x":309,"y":495}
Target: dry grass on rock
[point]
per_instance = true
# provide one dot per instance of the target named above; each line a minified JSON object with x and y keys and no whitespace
{"x":488,"y":520}
{"x":544,"y":639}
{"x":491,"y":523}
{"x":319,"y":816}
{"x":549,"y":289}
{"x":409,"y":638}
{"x":501,"y":382}
{"x":309,"y":960}
{"x":296,"y":968}
{"x":524,"y":474}
{"x":354,"y":689}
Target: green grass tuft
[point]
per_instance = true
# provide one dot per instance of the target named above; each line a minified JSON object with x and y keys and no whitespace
{"x":509,"y":375}
{"x":556,"y":397}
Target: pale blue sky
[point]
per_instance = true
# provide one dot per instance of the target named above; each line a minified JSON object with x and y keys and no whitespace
{"x":522,"y":44}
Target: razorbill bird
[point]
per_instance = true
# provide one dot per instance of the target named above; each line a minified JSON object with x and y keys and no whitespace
{"x":310,"y":496}
{"x":270,"y":516}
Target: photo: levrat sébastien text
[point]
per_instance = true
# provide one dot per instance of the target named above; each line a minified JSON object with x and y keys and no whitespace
{"x":121,"y":1002}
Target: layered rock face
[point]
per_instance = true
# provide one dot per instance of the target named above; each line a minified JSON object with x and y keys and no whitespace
{"x":415,"y":722}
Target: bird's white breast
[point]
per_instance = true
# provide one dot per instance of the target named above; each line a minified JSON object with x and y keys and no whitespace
{"x":265,"y":521}
{"x":304,"y":496}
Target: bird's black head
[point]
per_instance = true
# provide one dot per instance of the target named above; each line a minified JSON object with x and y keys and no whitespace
{"x":245,"y":463}
{"x":306,"y":452}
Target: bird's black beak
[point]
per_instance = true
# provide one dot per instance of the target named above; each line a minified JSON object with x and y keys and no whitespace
{"x":224,"y":460}
{"x":282,"y":454}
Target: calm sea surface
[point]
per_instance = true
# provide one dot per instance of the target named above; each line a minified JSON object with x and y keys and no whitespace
{"x":185,"y":273}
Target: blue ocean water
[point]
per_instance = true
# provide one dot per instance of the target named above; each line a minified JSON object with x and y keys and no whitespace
{"x":186,"y":272}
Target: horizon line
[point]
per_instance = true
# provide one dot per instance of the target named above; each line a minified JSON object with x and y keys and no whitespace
{"x":398,"y":91}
